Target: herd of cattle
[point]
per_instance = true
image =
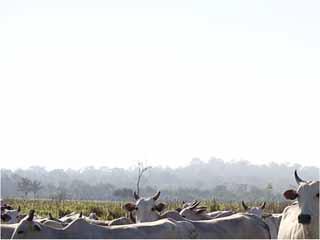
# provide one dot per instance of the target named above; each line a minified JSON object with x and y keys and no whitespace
{"x":147,"y":219}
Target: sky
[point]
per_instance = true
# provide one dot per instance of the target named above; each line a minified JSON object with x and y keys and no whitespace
{"x":110,"y":83}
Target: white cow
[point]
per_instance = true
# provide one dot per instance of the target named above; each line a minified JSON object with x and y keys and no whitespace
{"x":254,"y":210}
{"x":193,"y":212}
{"x":120,"y":221}
{"x":91,"y":219}
{"x":70,"y":217}
{"x":236,"y":226}
{"x":11,"y":216}
{"x":80,"y":229}
{"x":54,"y":224}
{"x":146,"y":209}
{"x":301,"y":219}
{"x":272,"y":220}
{"x":219,"y":214}
{"x":7,"y":230}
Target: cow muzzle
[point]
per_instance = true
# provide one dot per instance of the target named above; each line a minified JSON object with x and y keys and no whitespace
{"x":304,"y":218}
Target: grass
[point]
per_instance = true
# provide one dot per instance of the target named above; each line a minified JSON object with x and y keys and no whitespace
{"x":108,"y":210}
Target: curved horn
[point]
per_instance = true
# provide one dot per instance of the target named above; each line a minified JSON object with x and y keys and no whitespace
{"x":263,"y":205}
{"x":156,"y":196}
{"x":193,"y":206}
{"x":136,"y":196}
{"x":244,"y":205}
{"x":194,"y":202}
{"x":298,"y":179}
{"x":31,"y":215}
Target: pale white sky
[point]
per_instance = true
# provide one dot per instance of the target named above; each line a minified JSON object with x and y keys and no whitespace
{"x":112,"y":82}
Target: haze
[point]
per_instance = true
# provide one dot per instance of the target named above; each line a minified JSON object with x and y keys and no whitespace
{"x":108,"y":83}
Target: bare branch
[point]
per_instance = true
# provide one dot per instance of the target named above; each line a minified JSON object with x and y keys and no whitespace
{"x":141,"y":171}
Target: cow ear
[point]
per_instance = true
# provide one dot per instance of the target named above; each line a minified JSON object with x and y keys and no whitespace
{"x":130,"y":207}
{"x":290,"y":194}
{"x":160,"y":207}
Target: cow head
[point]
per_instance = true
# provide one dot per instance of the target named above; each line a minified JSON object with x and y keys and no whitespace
{"x":184,"y":205}
{"x":146,"y":209}
{"x":93,"y":216}
{"x":11,"y":216}
{"x":193,"y":212}
{"x":5,"y":206}
{"x":254,"y":210}
{"x":307,"y":196}
{"x":27,"y":228}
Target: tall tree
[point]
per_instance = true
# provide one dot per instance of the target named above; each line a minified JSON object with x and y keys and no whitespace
{"x":35,"y":187}
{"x":24,"y":186}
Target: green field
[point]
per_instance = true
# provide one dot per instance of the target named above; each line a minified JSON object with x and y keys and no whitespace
{"x":108,"y":210}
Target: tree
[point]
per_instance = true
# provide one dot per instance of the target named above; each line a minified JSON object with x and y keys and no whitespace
{"x":123,"y":193}
{"x":35,"y":187}
{"x":61,"y":194}
{"x":24,"y":185}
{"x":141,"y":171}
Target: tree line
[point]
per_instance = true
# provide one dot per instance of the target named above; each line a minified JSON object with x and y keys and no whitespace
{"x":213,"y":179}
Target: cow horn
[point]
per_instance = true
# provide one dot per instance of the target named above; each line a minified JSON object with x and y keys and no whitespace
{"x":298,"y":179}
{"x":244,"y":205}
{"x":194,"y":205}
{"x":31,"y":215}
{"x":194,"y":202}
{"x":263,"y":205}
{"x":156,"y":196}
{"x":136,"y":196}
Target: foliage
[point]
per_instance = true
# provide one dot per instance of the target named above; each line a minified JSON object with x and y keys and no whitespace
{"x":24,"y":185}
{"x":103,"y":209}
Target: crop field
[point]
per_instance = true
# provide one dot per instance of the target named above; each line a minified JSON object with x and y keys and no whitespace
{"x":108,"y":210}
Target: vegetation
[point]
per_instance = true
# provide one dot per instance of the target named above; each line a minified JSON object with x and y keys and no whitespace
{"x":215,"y":178}
{"x":113,"y":209}
{"x":220,"y":185}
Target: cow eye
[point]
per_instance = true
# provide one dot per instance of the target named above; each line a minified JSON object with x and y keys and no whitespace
{"x":136,"y":208}
{"x":153,"y":209}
